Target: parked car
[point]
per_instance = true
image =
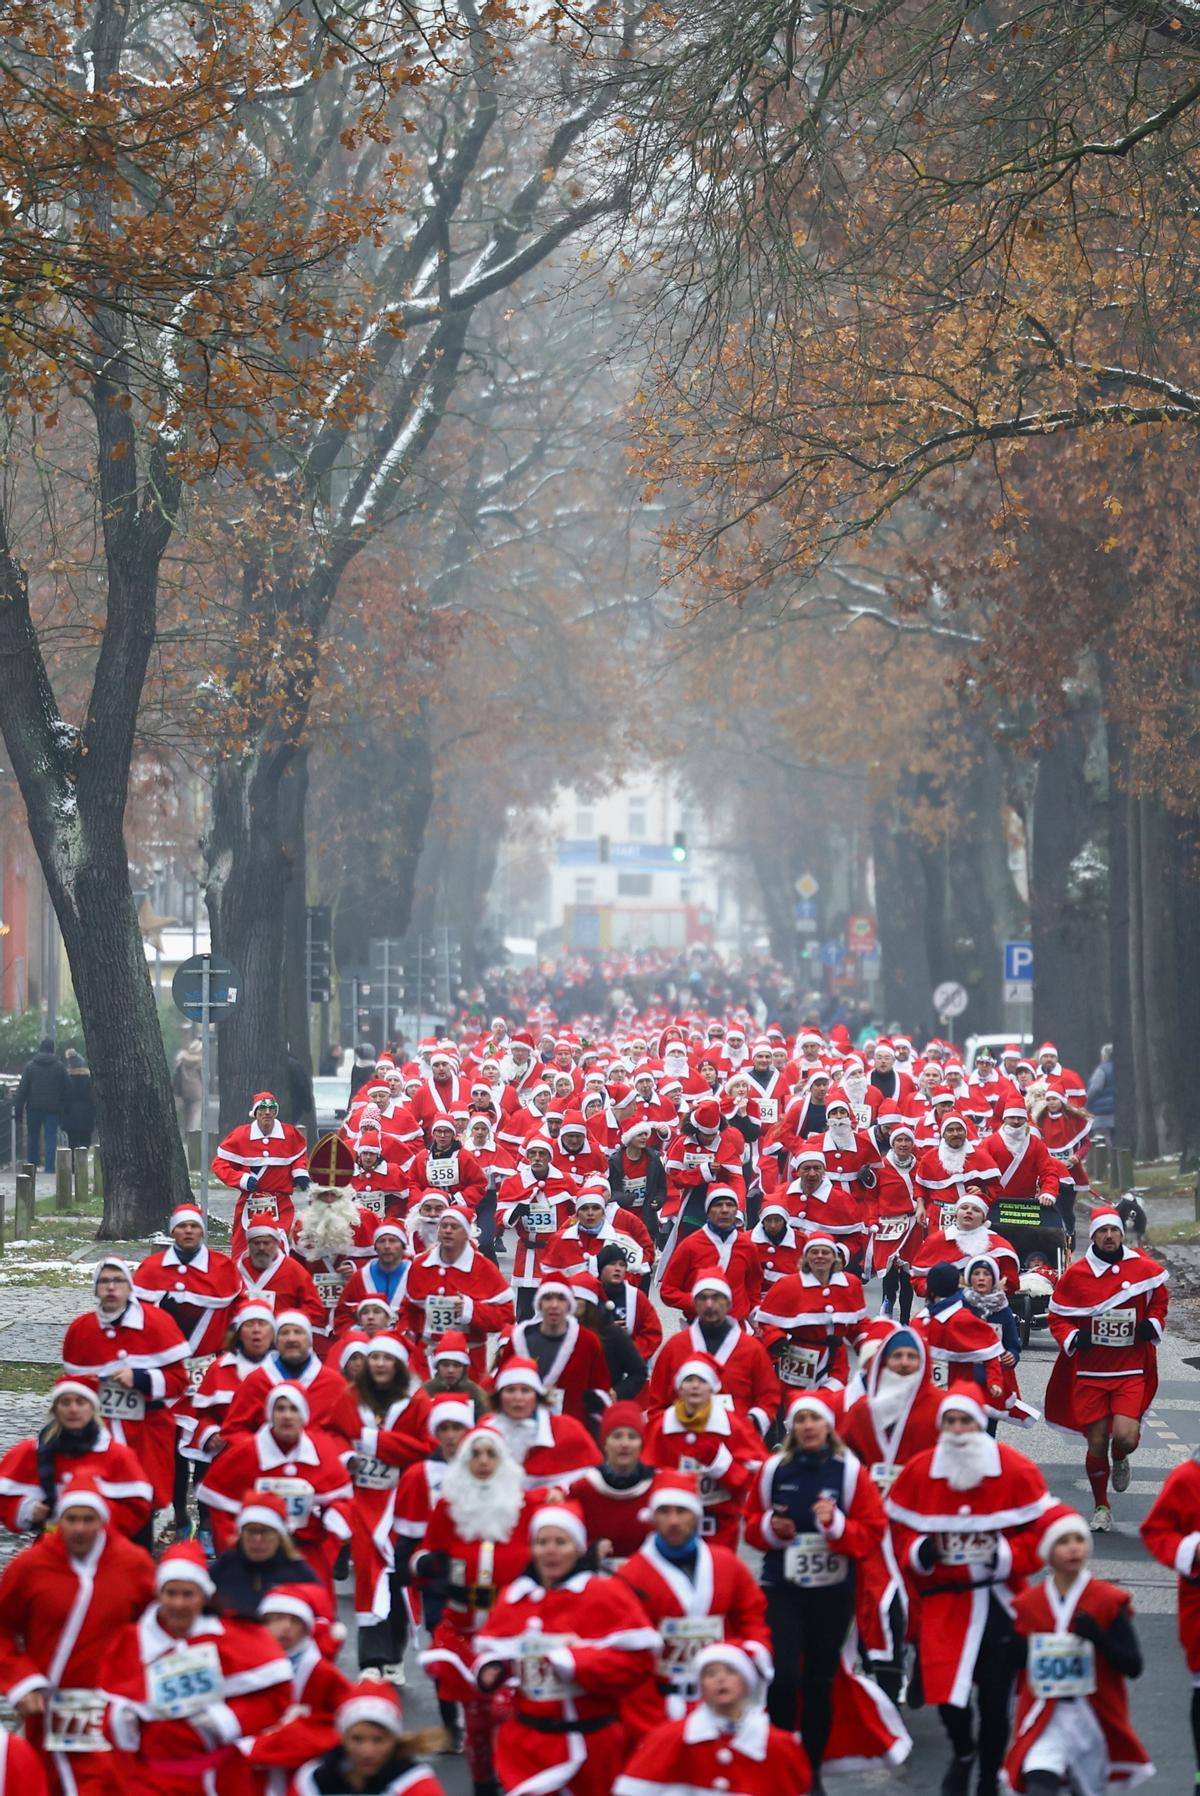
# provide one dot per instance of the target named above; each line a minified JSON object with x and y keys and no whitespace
{"x":996,"y":1043}
{"x":331,"y":1100}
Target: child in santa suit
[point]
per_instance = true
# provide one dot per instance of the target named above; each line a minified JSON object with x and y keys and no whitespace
{"x":964,"y":1236}
{"x":570,"y":1644}
{"x":1171,"y":1531}
{"x":725,"y":1743}
{"x":1078,"y":1646}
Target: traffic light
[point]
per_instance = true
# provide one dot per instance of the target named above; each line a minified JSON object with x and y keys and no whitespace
{"x":319,"y":953}
{"x":679,"y":850}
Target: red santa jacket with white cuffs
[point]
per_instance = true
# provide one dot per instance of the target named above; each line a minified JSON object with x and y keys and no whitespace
{"x":310,"y":1475}
{"x":722,"y":1591}
{"x":573,"y":1250}
{"x":579,"y":1369}
{"x":1031,"y":1171}
{"x":834,"y":1208}
{"x":559,"y":1451}
{"x":332,"y":1406}
{"x":638,"y":1316}
{"x":469,"y":1293}
{"x":147,"y":1343}
{"x":700,"y":1753}
{"x":273,"y":1161}
{"x":810,"y":1323}
{"x":691,"y":1162}
{"x":960,"y":1249}
{"x":368,"y":1280}
{"x":535,"y":1210}
{"x":450,"y":1096}
{"x":984,"y":1544}
{"x":1171,"y":1532}
{"x":776,"y":1258}
{"x":725,"y":1453}
{"x":286,"y":1284}
{"x":255,"y":1692}
{"x":617,"y":1516}
{"x":1068,"y":1137}
{"x":113,"y":1469}
{"x":199,"y":1294}
{"x":203,"y":1415}
{"x":1117,"y":1302}
{"x":748,"y":1378}
{"x":457,"y":1173}
{"x":942,"y":1180}
{"x":387,"y":1445}
{"x":1042,"y":1610}
{"x":735,"y":1259}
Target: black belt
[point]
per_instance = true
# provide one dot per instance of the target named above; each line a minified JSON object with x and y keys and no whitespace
{"x":550,"y":1724}
{"x":962,"y":1589}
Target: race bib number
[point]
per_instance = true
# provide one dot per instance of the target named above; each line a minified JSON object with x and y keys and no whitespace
{"x":261,"y":1203}
{"x":891,"y":1228}
{"x":1061,"y":1665}
{"x":683,"y":1636}
{"x":769,"y":1109}
{"x":197,"y":1367}
{"x":635,"y":1190}
{"x":374,"y":1474}
{"x":539,"y":1680}
{"x":968,"y":1549}
{"x":799,"y":1365}
{"x":117,"y":1404}
{"x":330,"y":1286}
{"x":75,"y":1722}
{"x":862,"y":1116}
{"x":939,"y":1371}
{"x":297,"y":1494}
{"x":185,"y":1681}
{"x":541,"y":1219}
{"x":1115,"y":1328}
{"x":631,"y":1250}
{"x":712,"y":1491}
{"x":371,"y":1201}
{"x":884,"y":1476}
{"x":442,"y":1174}
{"x":442,"y":1313}
{"x":810,"y":1562}
{"x":693,"y":1161}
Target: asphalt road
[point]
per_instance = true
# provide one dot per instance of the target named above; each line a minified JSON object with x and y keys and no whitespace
{"x":1161,"y":1698}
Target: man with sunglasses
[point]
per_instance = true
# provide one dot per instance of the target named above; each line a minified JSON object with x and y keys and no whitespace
{"x":264,"y":1161}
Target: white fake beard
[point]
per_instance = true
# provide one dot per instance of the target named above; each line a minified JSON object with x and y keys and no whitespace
{"x":855,"y":1087}
{"x":518,"y":1437}
{"x":891,"y":1397}
{"x":510,"y":1072}
{"x":423,"y":1235}
{"x":1013,"y":1139}
{"x":843,"y":1137}
{"x":964,"y":1459}
{"x":676,"y":1064}
{"x":953,"y":1159}
{"x":973,"y":1241}
{"x":484,"y":1509}
{"x":328,"y":1229}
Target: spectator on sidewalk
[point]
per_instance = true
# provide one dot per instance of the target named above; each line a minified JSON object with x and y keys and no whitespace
{"x":1101,"y":1096}
{"x":79,"y":1116}
{"x":42,"y":1098}
{"x":188,"y":1086}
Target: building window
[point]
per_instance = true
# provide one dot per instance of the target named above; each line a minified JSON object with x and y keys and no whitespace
{"x":635,"y":885}
{"x":637,"y":819}
{"x":585,"y":891}
{"x":585,"y":820}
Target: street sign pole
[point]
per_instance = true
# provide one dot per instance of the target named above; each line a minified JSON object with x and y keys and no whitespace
{"x":205,"y":1075}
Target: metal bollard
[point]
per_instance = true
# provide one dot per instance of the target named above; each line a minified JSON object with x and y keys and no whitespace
{"x":64,"y":1180}
{"x":23,"y":1207}
{"x":82,"y":1178}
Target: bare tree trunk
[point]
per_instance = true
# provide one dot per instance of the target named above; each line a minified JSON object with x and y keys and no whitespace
{"x":1125,"y":1020}
{"x":900,"y":902}
{"x":293,"y":802}
{"x":1156,"y":946}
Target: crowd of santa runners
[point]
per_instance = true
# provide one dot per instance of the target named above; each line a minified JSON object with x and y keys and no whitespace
{"x":574,"y":1383}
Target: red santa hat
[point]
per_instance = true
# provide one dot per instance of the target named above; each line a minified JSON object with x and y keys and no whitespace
{"x":296,"y":1319}
{"x":966,"y":1399}
{"x":942,"y":1094}
{"x":837,"y":1100}
{"x":373,"y":1300}
{"x":1105,"y":1217}
{"x":262,"y":1097}
{"x":1015,"y":1110}
{"x":778,"y":1210}
{"x":712,"y":1281}
{"x":264,"y":1509}
{"x":1055,"y":1525}
{"x":716,"y":1192}
{"x":82,"y":1493}
{"x":818,"y":1238}
{"x":424,"y":1198}
{"x":390,"y":1344}
{"x":553,"y":1287}
{"x":813,"y":1156}
{"x":355,"y":1340}
{"x":623,"y":1414}
{"x":186,"y":1213}
{"x":261,"y":1225}
{"x":518,"y":1370}
{"x":389,"y":1226}
{"x":254,"y":1312}
{"x":707,"y":1116}
{"x":294,"y":1393}
{"x":451,"y":1345}
{"x":112,"y":1259}
{"x":537,"y":1140}
{"x":810,"y":1403}
{"x":375,"y":1702}
{"x":1047,"y":1047}
{"x":184,"y":1563}
{"x":566,"y":1515}
{"x":735,"y":1658}
{"x":586,"y":1288}
{"x":699,"y":1366}
{"x":679,"y":1488}
{"x":458,"y":1213}
{"x":76,"y":1386}
{"x":442,"y":1122}
{"x":451,"y":1409}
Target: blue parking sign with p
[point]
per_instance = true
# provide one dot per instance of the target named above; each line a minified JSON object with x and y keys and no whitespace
{"x":1018,"y":960}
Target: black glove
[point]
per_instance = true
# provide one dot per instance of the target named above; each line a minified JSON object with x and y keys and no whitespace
{"x":1087,"y":1627}
{"x":867,"y":1179}
{"x":1145,"y":1331}
{"x":1083,"y":1337}
{"x":433,"y":1565}
{"x":927,"y":1553}
{"x":301,"y":1181}
{"x":251,"y":1182}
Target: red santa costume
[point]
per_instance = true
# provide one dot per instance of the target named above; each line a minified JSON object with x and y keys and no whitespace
{"x":551,"y":1449}
{"x":896,"y":1232}
{"x":369,"y":1279}
{"x":535,"y":1209}
{"x":1026,"y":1169}
{"x":575,"y":1156}
{"x":598,"y":1224}
{"x":776,"y":1258}
{"x":465,"y":1291}
{"x":705,"y":1752}
{"x":964,"y":1544}
{"x":1051,"y":1068}
{"x":318,"y":1687}
{"x":101,"y":1462}
{"x":447,"y":1166}
{"x":308,"y":1474}
{"x":330,"y":1238}
{"x":184,"y":1707}
{"x":387,"y":1444}
{"x":732,"y":1256}
{"x":944,"y":1172}
{"x":284,"y":1284}
{"x":1107,"y":1318}
{"x":963,"y":1345}
{"x":714,"y":1442}
{"x":835,"y":1207}
{"x":571,"y":1651}
{"x":806,"y":1324}
{"x":380,"y":1705}
{"x":199,"y":1294}
{"x":964,"y":1237}
{"x":1067,"y":1135}
{"x":747,"y":1376}
{"x":719,"y":1600}
{"x":142,"y":1341}
{"x":330,"y":1405}
{"x":201,"y":1418}
{"x":21,"y":1770}
{"x":1083,"y":1734}
{"x":1171,"y":1532}
{"x":58,"y":1615}
{"x":444,"y":1093}
{"x":577,"y":1380}
{"x":704,"y":1153}
{"x":614,"y":1509}
{"x":265,"y":1168}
